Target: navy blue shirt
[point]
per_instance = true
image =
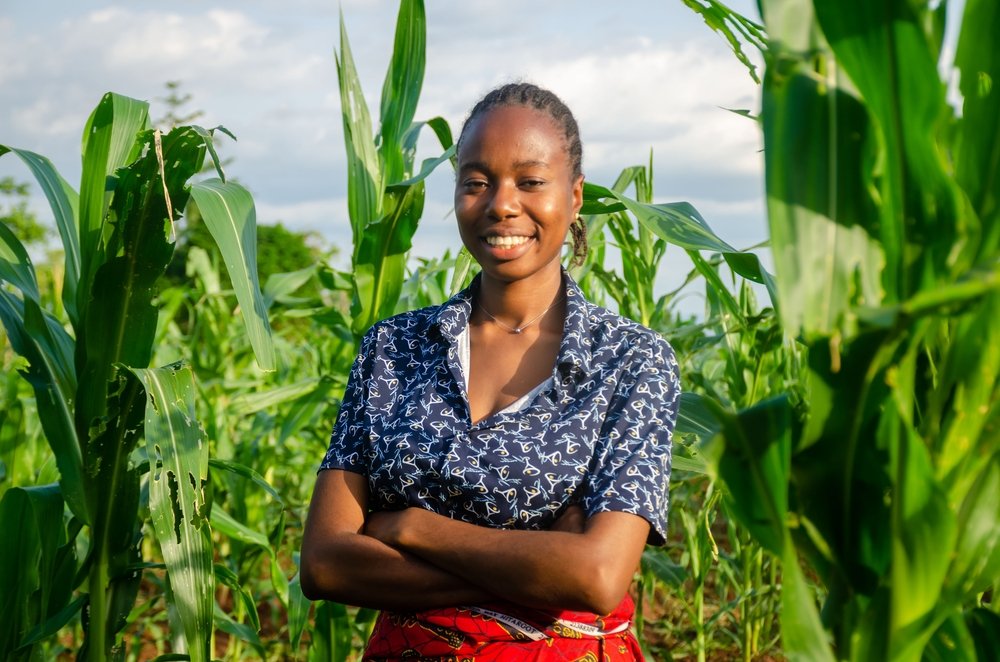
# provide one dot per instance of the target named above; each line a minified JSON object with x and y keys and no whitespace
{"x":599,"y":436}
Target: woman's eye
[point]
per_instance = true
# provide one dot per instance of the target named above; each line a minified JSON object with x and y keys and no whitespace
{"x":532,"y":183}
{"x":474,"y":184}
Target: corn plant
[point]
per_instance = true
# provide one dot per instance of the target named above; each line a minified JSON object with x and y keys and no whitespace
{"x":885,"y":228}
{"x":96,"y":396}
{"x":385,"y":197}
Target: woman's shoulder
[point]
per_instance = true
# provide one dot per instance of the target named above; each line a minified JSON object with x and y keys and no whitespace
{"x":621,"y":336}
{"x":408,"y":328}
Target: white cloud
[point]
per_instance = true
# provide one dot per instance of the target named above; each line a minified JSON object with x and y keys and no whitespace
{"x":652,"y":77}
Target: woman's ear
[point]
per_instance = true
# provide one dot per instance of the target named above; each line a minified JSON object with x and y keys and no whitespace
{"x":577,"y":194}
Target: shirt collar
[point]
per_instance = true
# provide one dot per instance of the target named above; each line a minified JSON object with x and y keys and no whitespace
{"x":574,"y":356}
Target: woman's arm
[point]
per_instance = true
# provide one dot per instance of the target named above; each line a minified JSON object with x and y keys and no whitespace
{"x":340,"y":563}
{"x":588,"y":571}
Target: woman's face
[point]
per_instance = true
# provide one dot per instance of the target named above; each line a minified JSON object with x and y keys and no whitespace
{"x":515,"y":194}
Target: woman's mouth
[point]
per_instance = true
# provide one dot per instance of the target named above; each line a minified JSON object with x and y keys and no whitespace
{"x":506,"y":242}
{"x":507,"y":247}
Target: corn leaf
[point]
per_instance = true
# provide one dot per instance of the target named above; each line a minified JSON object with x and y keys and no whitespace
{"x":15,"y":264}
{"x":228,"y":212}
{"x":121,"y":323}
{"x":108,"y":144}
{"x":401,"y":89}
{"x":923,"y":229}
{"x":823,"y":222}
{"x":923,"y":524}
{"x":976,"y":562}
{"x":178,"y":505}
{"x":364,"y":176}
{"x":298,"y":611}
{"x":245,"y":472}
{"x":224,"y":523}
{"x":984,"y":626}
{"x":41,"y":340}
{"x":752,"y":455}
{"x":64,"y":203}
{"x":978,"y":153}
{"x":970,"y":376}
{"x":380,"y":264}
{"x":802,"y":634}
{"x":28,"y":563}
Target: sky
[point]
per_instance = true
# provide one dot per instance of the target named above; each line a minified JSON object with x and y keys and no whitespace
{"x":639,"y":75}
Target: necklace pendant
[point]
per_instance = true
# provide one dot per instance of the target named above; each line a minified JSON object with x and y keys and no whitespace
{"x":517,"y":330}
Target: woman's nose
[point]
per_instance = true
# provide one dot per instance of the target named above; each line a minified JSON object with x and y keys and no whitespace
{"x":505,"y":202}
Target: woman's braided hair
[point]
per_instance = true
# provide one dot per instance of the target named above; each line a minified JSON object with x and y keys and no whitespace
{"x":532,"y":96}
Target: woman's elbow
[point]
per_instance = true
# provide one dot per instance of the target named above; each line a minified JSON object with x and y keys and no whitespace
{"x":603,"y":597}
{"x":600,"y":590}
{"x":318,"y":576}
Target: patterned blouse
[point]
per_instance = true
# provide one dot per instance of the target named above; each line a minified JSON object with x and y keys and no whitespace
{"x":599,"y":435}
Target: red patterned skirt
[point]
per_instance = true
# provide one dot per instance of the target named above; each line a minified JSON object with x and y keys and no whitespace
{"x":504,"y":633}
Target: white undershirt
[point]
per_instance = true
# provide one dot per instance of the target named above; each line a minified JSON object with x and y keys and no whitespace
{"x":465,"y":361}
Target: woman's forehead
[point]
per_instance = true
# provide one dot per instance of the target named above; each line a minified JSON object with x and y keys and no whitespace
{"x":514,"y":128}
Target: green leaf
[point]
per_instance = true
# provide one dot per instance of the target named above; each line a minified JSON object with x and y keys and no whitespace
{"x":677,"y":222}
{"x":178,"y":506}
{"x":696,"y":417}
{"x":951,"y":642}
{"x":229,"y":214}
{"x":283,"y":284}
{"x":246,"y":472}
{"x":364,"y":175}
{"x":108,"y":144}
{"x":121,"y":322}
{"x":64,"y":202}
{"x":823,"y":221}
{"x":657,"y":563}
{"x":984,"y":626}
{"x":802,"y":634}
{"x":735,"y":28}
{"x":923,"y":526}
{"x":28,"y":561}
{"x":55,"y":623}
{"x":224,"y":523}
{"x":15,"y":264}
{"x":241,"y":631}
{"x":923,"y":227}
{"x":49,"y":351}
{"x":978,"y":151}
{"x":401,"y":89}
{"x":228,"y":578}
{"x":380,"y":262}
{"x":245,"y":404}
{"x":752,"y":456}
{"x":298,"y":612}
{"x":976,"y":561}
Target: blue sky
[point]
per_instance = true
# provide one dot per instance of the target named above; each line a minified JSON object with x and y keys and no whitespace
{"x":639,"y":75}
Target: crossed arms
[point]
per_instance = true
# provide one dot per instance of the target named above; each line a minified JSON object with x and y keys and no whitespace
{"x":415,"y":559}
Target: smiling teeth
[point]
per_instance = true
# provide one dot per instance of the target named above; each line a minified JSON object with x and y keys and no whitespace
{"x":506,"y":242}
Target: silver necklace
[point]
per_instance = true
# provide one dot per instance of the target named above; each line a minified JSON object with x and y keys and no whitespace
{"x":519,"y":329}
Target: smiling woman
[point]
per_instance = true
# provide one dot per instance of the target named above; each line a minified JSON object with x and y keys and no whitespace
{"x":500,"y":461}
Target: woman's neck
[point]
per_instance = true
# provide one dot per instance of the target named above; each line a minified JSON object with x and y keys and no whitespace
{"x":518,"y":302}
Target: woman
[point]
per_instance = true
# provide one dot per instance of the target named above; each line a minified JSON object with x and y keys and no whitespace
{"x":500,"y":461}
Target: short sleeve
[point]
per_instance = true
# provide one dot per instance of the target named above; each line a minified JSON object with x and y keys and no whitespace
{"x":631,"y":471}
{"x":351,"y":431}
